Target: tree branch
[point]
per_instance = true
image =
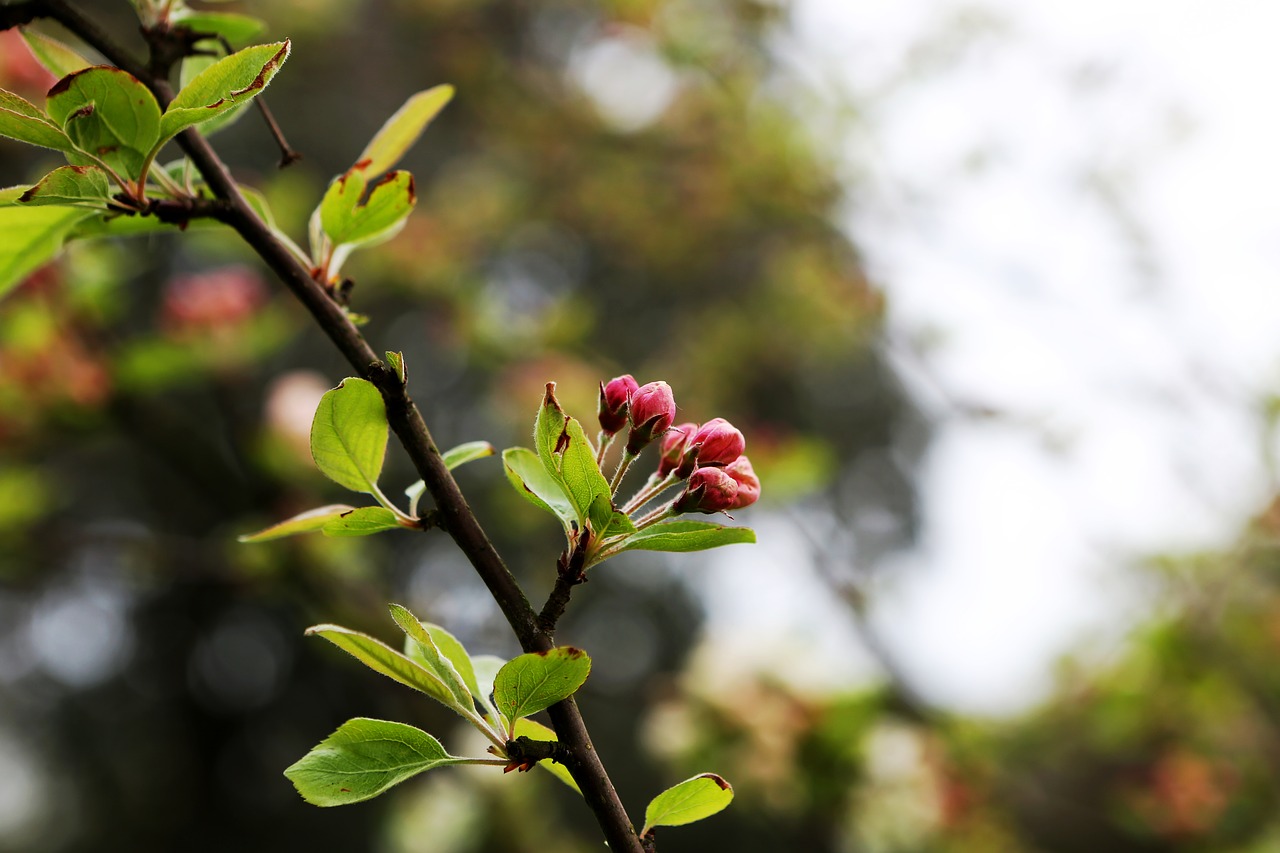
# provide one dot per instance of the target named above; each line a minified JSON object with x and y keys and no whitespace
{"x":454,"y":514}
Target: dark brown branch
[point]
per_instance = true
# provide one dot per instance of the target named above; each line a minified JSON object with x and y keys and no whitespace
{"x":453,"y":512}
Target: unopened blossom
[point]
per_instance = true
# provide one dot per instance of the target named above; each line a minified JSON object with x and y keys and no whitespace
{"x":708,"y":490}
{"x":741,"y":472}
{"x":615,"y":401}
{"x":675,"y":443}
{"x":653,"y":410}
{"x":718,"y":442}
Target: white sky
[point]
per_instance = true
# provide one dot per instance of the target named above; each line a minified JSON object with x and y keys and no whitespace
{"x":1001,"y":189}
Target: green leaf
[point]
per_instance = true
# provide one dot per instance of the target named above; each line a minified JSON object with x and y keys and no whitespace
{"x":687,"y":536}
{"x":224,"y":85}
{"x":400,"y":131}
{"x":383,"y":659}
{"x":24,"y":121}
{"x":73,"y":186}
{"x":57,"y":58}
{"x":486,"y":669}
{"x":691,"y":800}
{"x":452,"y":649}
{"x":304,"y":522}
{"x":587,"y":487}
{"x":396,"y":361}
{"x":453,"y":457}
{"x":349,"y":435}
{"x":347,"y":220}
{"x":548,"y":428}
{"x":233,"y":27}
{"x":534,"y":730}
{"x":126,"y":225}
{"x":31,"y":238}
{"x":535,"y":681}
{"x":528,"y":477}
{"x":364,"y":521}
{"x":430,"y":657}
{"x":192,"y":67}
{"x":362,"y":759}
{"x":108,"y":114}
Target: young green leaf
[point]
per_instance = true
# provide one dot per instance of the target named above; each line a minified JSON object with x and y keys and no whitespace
{"x":383,"y":659}
{"x":191,"y":68}
{"x":224,"y":85}
{"x":452,"y":649}
{"x":429,"y":655}
{"x":687,"y":536}
{"x":396,"y":361}
{"x":108,"y":114}
{"x":528,"y":477}
{"x":587,"y":487}
{"x":349,"y":435}
{"x":72,"y":186}
{"x":548,"y":429}
{"x":399,"y":133}
{"x":362,"y":759}
{"x":233,"y":27}
{"x":32,"y":237}
{"x":24,"y":121}
{"x":304,"y":522}
{"x":349,"y":221}
{"x":57,"y":58}
{"x":486,"y":669}
{"x":537,"y":731}
{"x":453,"y":457}
{"x":363,"y":521}
{"x":691,"y":800}
{"x":535,"y":681}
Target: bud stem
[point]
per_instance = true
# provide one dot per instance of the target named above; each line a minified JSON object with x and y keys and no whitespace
{"x":661,"y":513}
{"x":605,"y":442}
{"x":623,"y":464}
{"x":651,"y":490}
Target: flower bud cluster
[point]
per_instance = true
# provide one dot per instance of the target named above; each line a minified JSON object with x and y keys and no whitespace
{"x":708,"y":456}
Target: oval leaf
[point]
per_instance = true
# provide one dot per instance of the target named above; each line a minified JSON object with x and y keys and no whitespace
{"x":528,"y":477}
{"x":400,"y":131}
{"x":364,"y":521}
{"x":233,"y":27}
{"x":72,"y":186}
{"x":108,"y":114}
{"x":535,"y":681}
{"x":349,"y":435}
{"x":452,"y":649}
{"x":691,"y":800}
{"x":585,"y":484}
{"x":687,"y":536}
{"x":383,"y":659}
{"x":305,"y":522}
{"x":224,"y":85}
{"x":24,"y":121}
{"x":362,"y":759}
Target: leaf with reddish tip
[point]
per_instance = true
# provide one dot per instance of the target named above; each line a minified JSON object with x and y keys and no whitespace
{"x":108,"y":114}
{"x":71,"y":186}
{"x":303,"y":522}
{"x":223,"y":86}
{"x":691,"y":800}
{"x":533,"y":682}
{"x":349,"y":218}
{"x":400,"y":131}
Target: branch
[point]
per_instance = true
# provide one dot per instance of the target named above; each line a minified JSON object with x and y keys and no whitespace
{"x":454,"y":514}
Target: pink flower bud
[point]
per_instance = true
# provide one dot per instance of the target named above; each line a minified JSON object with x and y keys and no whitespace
{"x":708,"y":490}
{"x":615,"y":399}
{"x":653,"y":410}
{"x":677,"y":440}
{"x":719,"y":443}
{"x":741,"y":472}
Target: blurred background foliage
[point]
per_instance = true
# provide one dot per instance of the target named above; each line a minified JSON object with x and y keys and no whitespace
{"x":622,"y":186}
